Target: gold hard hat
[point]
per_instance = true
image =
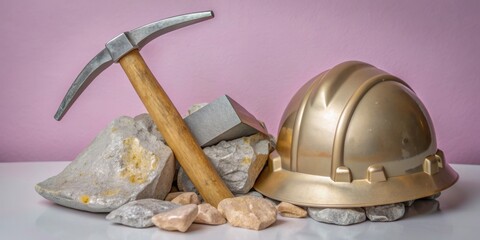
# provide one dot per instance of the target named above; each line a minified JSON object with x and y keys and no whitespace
{"x":355,"y":136}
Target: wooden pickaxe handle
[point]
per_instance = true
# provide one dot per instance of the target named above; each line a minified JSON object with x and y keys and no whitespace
{"x":177,"y":135}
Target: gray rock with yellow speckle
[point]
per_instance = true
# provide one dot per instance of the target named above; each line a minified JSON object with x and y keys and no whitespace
{"x":127,"y":161}
{"x":238,"y":162}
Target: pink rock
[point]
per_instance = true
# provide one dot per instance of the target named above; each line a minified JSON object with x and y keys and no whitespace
{"x":178,"y":219}
{"x":186,"y":198}
{"x":207,"y":214}
{"x":170,"y":196}
{"x":248,"y":212}
{"x":289,"y":210}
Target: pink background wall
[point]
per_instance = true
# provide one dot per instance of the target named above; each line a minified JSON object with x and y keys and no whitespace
{"x":258,"y":52}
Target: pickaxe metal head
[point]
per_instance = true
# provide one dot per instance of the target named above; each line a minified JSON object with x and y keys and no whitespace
{"x":121,"y":45}
{"x":222,"y":120}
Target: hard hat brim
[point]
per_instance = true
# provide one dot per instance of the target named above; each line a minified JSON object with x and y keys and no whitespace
{"x":320,"y":191}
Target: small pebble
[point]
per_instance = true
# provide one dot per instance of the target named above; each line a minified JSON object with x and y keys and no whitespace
{"x":338,"y":216}
{"x":172,"y":195}
{"x":289,"y":210}
{"x":177,"y":219}
{"x":248,"y":212}
{"x":207,"y":214}
{"x":186,"y":198}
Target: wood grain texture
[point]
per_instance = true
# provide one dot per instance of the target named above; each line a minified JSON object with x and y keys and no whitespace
{"x":177,"y":135}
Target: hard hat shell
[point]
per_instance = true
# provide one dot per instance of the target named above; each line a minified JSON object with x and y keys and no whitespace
{"x":355,"y":136}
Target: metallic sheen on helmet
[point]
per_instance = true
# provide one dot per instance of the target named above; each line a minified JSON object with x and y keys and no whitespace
{"x":355,"y":136}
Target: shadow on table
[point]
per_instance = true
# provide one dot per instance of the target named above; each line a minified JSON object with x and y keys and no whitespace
{"x":460,"y":195}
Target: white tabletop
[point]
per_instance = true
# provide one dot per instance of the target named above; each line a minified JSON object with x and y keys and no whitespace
{"x":26,"y":215}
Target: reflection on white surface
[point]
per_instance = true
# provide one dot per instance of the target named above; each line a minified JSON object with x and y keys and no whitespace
{"x":26,"y":215}
{"x":65,"y":223}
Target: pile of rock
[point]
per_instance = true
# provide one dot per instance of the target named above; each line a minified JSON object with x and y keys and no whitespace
{"x":349,"y":216}
{"x":250,"y":211}
{"x":128,"y":169}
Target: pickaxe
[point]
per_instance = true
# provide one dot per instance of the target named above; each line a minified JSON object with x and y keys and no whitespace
{"x":125,"y":49}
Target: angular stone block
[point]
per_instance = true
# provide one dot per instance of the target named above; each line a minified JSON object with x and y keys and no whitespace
{"x":222,"y":120}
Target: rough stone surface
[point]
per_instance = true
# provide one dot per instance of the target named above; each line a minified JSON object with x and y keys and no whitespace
{"x":289,"y":210}
{"x":207,"y":214}
{"x":145,"y":121}
{"x":177,"y":219}
{"x":339,"y":216}
{"x":385,"y":213}
{"x":186,"y":198}
{"x":238,"y":162}
{"x":139,"y":213}
{"x":248,"y":212}
{"x":126,"y":161}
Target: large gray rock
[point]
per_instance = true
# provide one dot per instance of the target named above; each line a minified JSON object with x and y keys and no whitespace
{"x":139,"y":213}
{"x":385,"y":213}
{"x":238,"y":162}
{"x":126,"y":161}
{"x":338,"y":216}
